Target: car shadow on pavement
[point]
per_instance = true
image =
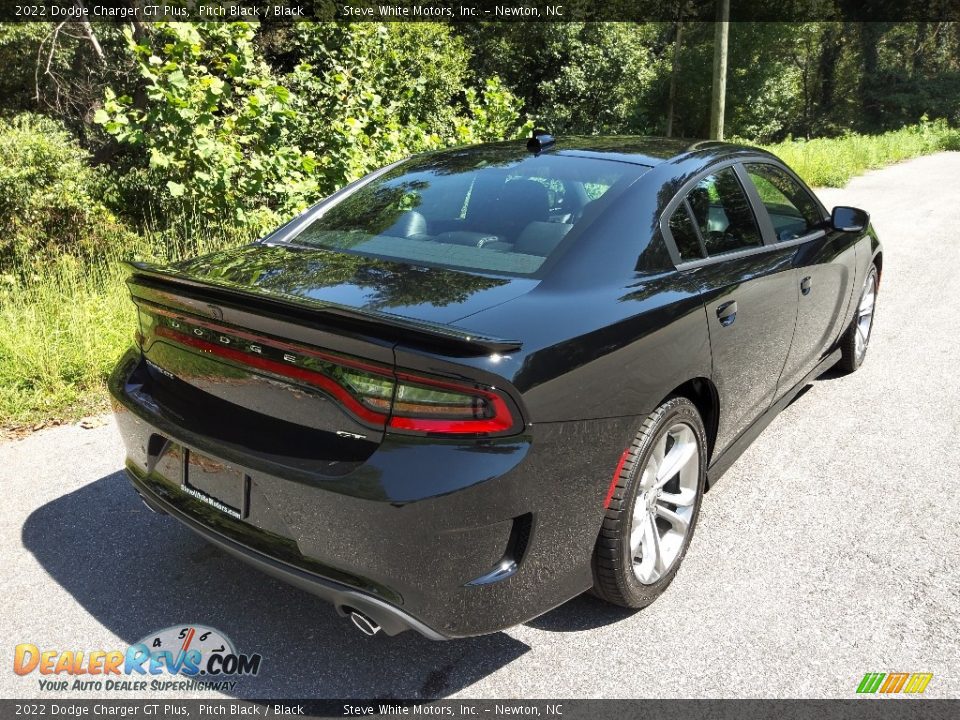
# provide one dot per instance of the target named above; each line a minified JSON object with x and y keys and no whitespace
{"x":136,"y":572}
{"x":833,"y":373}
{"x":584,"y":612}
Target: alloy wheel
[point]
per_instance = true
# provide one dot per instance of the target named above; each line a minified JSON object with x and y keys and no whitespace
{"x":865,"y":315}
{"x":663,"y":510}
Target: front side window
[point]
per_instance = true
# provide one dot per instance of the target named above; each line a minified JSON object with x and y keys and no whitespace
{"x":472,"y":210}
{"x":792,"y":211}
{"x":723,"y":214}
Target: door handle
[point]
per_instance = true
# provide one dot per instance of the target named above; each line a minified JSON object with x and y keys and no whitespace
{"x":727,"y":313}
{"x":806,"y":285}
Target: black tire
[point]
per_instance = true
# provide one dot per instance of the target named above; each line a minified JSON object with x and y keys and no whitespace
{"x":853,"y":355}
{"x":615,"y":579}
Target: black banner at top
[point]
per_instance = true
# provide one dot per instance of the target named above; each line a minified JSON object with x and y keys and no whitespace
{"x":460,"y":11}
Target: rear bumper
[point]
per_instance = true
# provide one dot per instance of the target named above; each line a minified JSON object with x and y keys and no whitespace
{"x":343,"y":598}
{"x":451,"y":538}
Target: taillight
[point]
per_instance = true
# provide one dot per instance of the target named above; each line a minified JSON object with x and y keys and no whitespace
{"x":373,"y":391}
{"x":399,"y":401}
{"x":426,"y":405}
{"x":418,"y":404}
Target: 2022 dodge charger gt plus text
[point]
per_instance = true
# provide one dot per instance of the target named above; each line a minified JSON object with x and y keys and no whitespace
{"x":476,"y":383}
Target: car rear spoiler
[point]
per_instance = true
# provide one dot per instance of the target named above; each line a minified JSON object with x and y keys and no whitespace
{"x":155,"y":283}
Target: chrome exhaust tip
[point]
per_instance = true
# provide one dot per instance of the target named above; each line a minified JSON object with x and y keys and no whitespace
{"x":364,"y":624}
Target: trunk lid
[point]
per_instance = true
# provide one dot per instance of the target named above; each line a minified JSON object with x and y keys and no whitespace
{"x":405,"y":290}
{"x":289,"y":354}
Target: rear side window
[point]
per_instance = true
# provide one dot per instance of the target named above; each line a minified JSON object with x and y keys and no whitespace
{"x":723,"y":214}
{"x":792,"y":211}
{"x":685,"y":234}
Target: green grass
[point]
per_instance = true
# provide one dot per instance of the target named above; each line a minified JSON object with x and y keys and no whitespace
{"x":64,"y":323}
{"x":832,"y":162}
{"x":59,"y":335}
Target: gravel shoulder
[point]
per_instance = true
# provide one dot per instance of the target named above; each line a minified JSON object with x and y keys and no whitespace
{"x":829,"y":550}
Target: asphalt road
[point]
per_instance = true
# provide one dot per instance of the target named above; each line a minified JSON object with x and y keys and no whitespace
{"x":829,"y":550}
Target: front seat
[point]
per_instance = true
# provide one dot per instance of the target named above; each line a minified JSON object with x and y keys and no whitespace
{"x":521,"y":202}
{"x":541,"y":238}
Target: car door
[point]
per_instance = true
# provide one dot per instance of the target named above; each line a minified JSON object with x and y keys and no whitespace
{"x":748,"y":288}
{"x":825,"y":261}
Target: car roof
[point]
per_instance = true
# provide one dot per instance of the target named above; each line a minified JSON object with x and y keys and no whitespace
{"x":641,"y":150}
{"x":634,"y":149}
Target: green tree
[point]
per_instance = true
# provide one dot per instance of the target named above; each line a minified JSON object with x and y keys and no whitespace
{"x":369,"y":94}
{"x":217,"y":128}
{"x":573,"y":77}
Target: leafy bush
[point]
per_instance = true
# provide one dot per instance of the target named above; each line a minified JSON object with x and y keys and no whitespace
{"x":49,"y":197}
{"x":229,"y":142}
{"x":216,"y":126}
{"x":368,"y":94}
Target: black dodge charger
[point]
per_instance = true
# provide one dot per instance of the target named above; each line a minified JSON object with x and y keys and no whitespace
{"x":478,"y":382}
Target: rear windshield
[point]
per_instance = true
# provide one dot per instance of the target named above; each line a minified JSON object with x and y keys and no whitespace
{"x":469,"y":210}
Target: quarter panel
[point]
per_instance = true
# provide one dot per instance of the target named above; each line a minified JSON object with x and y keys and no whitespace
{"x":611,"y":352}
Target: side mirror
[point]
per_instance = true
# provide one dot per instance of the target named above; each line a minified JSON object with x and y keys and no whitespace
{"x":849,"y":219}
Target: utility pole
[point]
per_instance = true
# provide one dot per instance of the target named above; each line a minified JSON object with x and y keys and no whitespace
{"x":720,"y":36}
{"x":674,"y":70}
